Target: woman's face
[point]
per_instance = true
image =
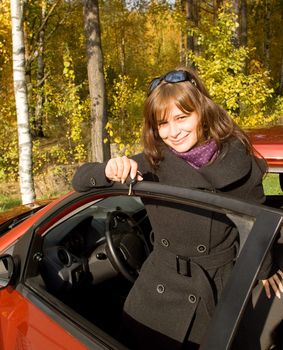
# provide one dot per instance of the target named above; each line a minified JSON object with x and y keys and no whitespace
{"x":179,"y":129}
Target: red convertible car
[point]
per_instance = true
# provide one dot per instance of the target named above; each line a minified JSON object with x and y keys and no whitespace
{"x":64,"y":274}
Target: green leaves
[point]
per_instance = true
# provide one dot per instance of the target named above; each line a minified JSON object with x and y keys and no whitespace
{"x":244,"y":93}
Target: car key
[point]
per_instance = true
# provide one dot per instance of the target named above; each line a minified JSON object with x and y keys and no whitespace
{"x":131,"y":184}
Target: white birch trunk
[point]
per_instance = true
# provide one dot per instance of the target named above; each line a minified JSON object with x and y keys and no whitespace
{"x":20,"y":90}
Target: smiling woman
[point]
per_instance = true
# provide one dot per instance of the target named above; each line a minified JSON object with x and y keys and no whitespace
{"x":191,"y":142}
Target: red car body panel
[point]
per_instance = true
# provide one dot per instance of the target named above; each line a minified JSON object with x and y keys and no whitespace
{"x":24,"y":326}
{"x":269,"y":143}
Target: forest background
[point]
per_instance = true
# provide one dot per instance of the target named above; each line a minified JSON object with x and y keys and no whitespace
{"x":235,"y":45}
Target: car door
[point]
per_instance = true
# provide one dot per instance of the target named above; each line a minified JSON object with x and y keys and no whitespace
{"x":29,"y":319}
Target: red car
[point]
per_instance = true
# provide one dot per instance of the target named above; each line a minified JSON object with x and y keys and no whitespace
{"x":64,"y":274}
{"x":269,"y":143}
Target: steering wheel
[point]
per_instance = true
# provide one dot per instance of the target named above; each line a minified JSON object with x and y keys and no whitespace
{"x":128,"y":249}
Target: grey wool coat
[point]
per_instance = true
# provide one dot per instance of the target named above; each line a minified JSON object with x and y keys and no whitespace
{"x":178,"y":301}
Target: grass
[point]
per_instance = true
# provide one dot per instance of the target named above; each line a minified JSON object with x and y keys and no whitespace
{"x":270,"y":185}
{"x":7,"y":202}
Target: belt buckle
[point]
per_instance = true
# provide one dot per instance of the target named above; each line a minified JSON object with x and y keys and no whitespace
{"x":183,"y":265}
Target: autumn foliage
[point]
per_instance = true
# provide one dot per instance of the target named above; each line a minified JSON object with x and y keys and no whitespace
{"x":140,"y":40}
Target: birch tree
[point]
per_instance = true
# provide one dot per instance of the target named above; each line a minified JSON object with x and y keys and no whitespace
{"x":20,"y":91}
{"x":38,"y":125}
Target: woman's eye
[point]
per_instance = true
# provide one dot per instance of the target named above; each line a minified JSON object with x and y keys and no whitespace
{"x":182,"y":117}
{"x":162,"y":123}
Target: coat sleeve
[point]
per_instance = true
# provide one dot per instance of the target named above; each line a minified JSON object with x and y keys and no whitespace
{"x":90,"y":175}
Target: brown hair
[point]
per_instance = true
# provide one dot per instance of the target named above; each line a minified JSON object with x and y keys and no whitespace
{"x":188,"y":96}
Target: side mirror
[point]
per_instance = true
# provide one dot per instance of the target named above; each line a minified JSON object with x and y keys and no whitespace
{"x":7,"y":268}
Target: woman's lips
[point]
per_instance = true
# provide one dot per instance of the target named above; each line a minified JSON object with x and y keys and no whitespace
{"x":178,"y":142}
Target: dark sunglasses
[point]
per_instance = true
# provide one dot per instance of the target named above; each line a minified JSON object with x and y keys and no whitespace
{"x":176,"y":76}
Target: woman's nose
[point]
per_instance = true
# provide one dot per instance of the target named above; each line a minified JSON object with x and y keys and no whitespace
{"x":174,"y":129}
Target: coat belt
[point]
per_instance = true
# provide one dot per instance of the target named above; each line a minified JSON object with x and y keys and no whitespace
{"x":207,"y":262}
{"x":199,"y":264}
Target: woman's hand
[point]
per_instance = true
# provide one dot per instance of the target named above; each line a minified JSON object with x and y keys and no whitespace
{"x":118,"y":169}
{"x":276,"y":283}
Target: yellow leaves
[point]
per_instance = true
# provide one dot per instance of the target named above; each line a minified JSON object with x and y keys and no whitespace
{"x":67,"y":64}
{"x":80,"y":152}
{"x":255,"y":66}
{"x":5,"y":18}
{"x":221,"y":65}
{"x":108,"y":125}
{"x":68,"y":70}
{"x":126,"y":102}
{"x":5,"y":42}
{"x":67,"y":118}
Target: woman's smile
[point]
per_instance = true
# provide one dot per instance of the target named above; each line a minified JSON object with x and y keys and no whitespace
{"x":179,"y":140}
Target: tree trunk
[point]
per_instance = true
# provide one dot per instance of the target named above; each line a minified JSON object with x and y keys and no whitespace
{"x":20,"y":89}
{"x":38,"y":123}
{"x":192,"y":14}
{"x":244,"y":29}
{"x":236,"y":34}
{"x":100,"y":149}
{"x":267,"y":34}
{"x":244,"y":23}
{"x":28,"y":77}
{"x":34,"y":49}
{"x":280,"y":89}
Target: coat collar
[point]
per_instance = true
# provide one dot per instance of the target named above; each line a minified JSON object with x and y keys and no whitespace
{"x":232,"y":164}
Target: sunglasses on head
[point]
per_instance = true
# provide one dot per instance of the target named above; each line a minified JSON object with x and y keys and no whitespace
{"x":176,"y":76}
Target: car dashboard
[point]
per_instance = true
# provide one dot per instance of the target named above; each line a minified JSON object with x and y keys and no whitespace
{"x":75,"y":251}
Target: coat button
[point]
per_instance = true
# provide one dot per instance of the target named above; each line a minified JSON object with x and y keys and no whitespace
{"x":165,"y":242}
{"x":160,"y":288}
{"x":192,"y":298}
{"x":201,"y":248}
{"x":92,"y":181}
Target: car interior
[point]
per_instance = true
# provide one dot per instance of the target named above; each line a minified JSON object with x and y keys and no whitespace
{"x":90,"y":259}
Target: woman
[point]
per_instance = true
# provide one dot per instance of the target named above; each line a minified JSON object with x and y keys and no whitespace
{"x":188,"y":141}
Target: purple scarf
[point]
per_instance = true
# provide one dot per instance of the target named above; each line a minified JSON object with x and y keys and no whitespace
{"x":199,"y":155}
